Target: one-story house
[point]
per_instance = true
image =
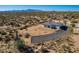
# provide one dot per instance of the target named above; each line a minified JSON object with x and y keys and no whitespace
{"x":55,"y":25}
{"x":42,"y":32}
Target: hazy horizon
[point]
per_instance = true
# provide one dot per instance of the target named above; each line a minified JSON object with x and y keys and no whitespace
{"x":40,"y":7}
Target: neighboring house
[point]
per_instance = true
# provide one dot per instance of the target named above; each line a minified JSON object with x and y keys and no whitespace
{"x":76,"y":29}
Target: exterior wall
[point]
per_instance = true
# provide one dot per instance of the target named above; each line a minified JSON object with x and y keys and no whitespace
{"x":53,"y":26}
{"x":53,"y":36}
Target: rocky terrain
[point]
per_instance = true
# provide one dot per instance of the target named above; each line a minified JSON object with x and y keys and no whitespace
{"x":11,"y":22}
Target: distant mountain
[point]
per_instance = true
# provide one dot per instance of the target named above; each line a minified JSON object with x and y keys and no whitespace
{"x":28,"y":10}
{"x":32,"y":10}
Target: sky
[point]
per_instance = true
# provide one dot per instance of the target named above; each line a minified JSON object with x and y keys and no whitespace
{"x":40,"y":7}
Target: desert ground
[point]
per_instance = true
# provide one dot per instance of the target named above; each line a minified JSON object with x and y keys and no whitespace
{"x":10,"y":22}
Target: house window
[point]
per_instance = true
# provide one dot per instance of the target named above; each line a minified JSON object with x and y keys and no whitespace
{"x":53,"y":27}
{"x":49,"y":27}
{"x":63,"y":27}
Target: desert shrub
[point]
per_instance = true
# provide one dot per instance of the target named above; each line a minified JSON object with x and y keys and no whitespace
{"x":27,"y":35}
{"x":20,"y":43}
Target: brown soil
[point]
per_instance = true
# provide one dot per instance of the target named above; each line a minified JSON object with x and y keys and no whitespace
{"x":76,"y":39}
{"x":40,"y":30}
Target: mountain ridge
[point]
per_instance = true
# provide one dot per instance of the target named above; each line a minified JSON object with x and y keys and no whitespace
{"x":27,"y":10}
